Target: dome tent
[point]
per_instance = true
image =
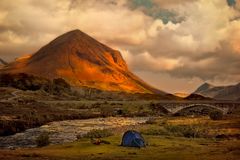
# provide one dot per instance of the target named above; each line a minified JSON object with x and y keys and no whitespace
{"x":132,"y":139}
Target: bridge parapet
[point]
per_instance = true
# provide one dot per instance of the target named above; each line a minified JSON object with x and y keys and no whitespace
{"x":175,"y":107}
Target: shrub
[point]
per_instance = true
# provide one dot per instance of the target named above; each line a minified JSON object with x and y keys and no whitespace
{"x":24,"y":81}
{"x":158,"y":109}
{"x":216,"y":115}
{"x":107,"y":111}
{"x":97,"y":133}
{"x":43,"y":140}
{"x":124,"y":112}
{"x":60,"y":85}
{"x":151,"y":121}
{"x":154,"y":132}
{"x":192,"y":131}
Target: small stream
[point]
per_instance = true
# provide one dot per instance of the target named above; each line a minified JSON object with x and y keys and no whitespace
{"x":66,"y":131}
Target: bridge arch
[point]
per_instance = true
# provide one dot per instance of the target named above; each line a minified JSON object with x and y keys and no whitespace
{"x":198,"y":109}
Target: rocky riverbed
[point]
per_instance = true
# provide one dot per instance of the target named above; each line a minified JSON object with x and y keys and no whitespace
{"x":66,"y":131}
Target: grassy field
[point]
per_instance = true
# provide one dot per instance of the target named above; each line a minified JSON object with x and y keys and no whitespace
{"x":164,"y":138}
{"x":168,"y":137}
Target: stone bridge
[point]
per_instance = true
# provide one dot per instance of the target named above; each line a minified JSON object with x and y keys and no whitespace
{"x":223,"y":106}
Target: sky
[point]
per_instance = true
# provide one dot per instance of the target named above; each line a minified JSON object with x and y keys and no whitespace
{"x":174,"y":45}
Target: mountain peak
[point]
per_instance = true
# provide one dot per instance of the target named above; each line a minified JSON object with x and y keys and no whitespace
{"x":75,"y":30}
{"x":74,"y":34}
{"x":203,"y":87}
{"x":3,"y":62}
{"x":206,"y":84}
{"x":76,"y":43}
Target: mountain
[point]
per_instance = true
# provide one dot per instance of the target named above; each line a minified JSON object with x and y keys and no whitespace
{"x":181,"y":95}
{"x":197,"y":97}
{"x":83,"y":62}
{"x":2,"y":63}
{"x":204,"y":86}
{"x":231,"y":92}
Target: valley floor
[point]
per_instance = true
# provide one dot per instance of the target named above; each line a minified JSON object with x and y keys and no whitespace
{"x":168,"y":136}
{"x":162,"y":144}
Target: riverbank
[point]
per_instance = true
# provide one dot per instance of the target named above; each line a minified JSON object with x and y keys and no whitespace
{"x":21,"y":114}
{"x":67,"y":131}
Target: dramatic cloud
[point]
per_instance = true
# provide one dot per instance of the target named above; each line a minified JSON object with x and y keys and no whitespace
{"x":204,"y":45}
{"x":181,"y":40}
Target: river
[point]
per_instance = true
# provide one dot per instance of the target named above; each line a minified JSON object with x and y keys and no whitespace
{"x":66,"y":131}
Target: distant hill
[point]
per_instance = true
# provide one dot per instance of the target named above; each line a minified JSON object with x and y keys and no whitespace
{"x":231,"y":92}
{"x":181,"y":95}
{"x":24,"y":81}
{"x":197,"y":97}
{"x":83,"y":62}
{"x":2,"y":63}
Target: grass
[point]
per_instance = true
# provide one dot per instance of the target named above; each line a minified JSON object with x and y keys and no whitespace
{"x":188,"y":131}
{"x":161,"y":145}
{"x":96,"y":133}
{"x":216,"y":115}
{"x":195,"y":129}
{"x":43,"y":140}
{"x":158,"y":148}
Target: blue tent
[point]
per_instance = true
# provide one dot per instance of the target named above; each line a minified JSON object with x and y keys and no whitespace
{"x":133,"y":139}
